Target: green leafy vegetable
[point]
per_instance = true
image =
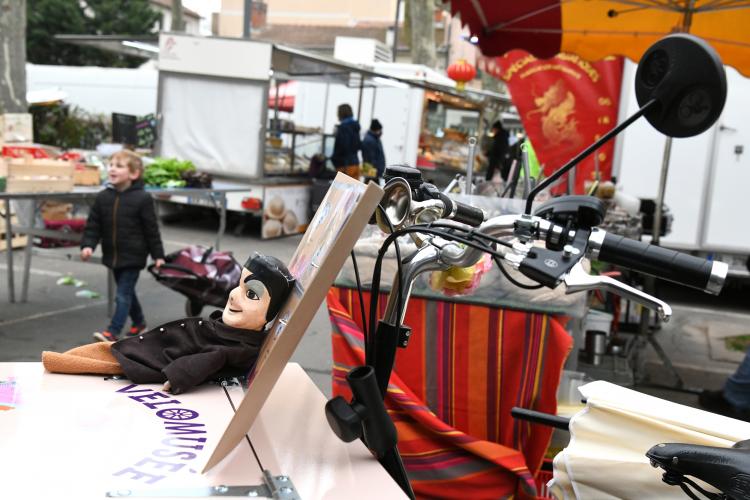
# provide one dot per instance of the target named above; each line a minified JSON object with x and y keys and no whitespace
{"x":166,"y":170}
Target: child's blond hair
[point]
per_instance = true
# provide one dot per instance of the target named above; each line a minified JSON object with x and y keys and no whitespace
{"x":132,"y":160}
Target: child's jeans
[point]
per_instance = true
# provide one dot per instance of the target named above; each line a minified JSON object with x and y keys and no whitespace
{"x":126,"y":302}
{"x":737,"y":387}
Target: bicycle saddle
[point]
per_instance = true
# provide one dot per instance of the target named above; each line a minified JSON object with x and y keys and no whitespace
{"x":726,"y":469}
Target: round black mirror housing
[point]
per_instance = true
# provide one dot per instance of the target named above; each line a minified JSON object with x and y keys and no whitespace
{"x":685,"y":75}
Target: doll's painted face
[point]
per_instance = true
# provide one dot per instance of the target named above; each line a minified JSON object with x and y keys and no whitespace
{"x":248,"y":304}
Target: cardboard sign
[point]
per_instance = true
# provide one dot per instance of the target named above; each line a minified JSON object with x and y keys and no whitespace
{"x":16,"y":127}
{"x":329,"y":238}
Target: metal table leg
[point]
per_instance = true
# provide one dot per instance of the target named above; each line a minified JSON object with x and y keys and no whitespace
{"x":9,"y":252}
{"x":219,"y":200}
{"x":222,"y":219}
{"x":26,"y":268}
{"x":27,"y":254}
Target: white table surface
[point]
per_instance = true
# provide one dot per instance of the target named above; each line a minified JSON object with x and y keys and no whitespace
{"x":76,"y":436}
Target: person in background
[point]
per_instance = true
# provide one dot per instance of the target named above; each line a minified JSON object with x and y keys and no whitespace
{"x":123,"y":220}
{"x":733,"y":400}
{"x":372,"y":148}
{"x":497,"y":154}
{"x":346,"y":144}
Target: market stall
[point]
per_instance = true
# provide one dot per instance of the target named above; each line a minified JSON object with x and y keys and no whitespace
{"x":448,"y":122}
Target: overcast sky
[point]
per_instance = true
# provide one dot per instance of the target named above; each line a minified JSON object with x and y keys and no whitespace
{"x":204,"y":8}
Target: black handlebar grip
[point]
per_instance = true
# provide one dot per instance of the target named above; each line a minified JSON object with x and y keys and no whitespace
{"x":663,"y":263}
{"x":460,"y":212}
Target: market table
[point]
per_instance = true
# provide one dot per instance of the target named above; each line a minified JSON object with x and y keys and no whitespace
{"x":216,"y":197}
{"x":86,"y":436}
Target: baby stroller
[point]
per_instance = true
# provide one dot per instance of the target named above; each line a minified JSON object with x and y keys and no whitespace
{"x":203,"y":276}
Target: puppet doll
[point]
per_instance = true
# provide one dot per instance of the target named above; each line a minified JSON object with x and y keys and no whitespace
{"x":190,"y":351}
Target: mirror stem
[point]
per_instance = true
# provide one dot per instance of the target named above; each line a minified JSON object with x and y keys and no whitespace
{"x":586,"y":152}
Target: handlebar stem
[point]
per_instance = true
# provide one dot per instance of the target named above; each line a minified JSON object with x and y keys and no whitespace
{"x":427,"y":258}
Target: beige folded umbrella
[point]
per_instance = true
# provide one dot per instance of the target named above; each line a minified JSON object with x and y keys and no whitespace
{"x":606,"y":456}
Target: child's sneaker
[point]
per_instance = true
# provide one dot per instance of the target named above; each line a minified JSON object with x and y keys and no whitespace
{"x":105,"y":336}
{"x":136,"y":329}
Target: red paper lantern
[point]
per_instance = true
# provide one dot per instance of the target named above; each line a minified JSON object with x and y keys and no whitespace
{"x":462,"y":71}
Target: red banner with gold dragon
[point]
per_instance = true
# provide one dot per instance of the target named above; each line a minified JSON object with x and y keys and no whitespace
{"x":565,"y":103}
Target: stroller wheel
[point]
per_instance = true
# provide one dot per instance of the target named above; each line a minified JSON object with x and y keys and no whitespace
{"x":193,"y":307}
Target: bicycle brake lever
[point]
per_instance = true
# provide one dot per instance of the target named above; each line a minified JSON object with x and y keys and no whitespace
{"x":578,"y":280}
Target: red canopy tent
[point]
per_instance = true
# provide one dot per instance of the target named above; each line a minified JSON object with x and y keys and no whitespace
{"x":594,"y":29}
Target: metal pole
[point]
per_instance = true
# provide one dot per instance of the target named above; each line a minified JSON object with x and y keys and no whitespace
{"x":9,"y":252}
{"x":468,"y":188}
{"x":222,"y":219}
{"x":247,"y":19}
{"x":571,"y":182}
{"x":325,"y":107}
{"x":276,"y":84}
{"x":656,"y":227}
{"x":395,"y":32}
{"x":649,"y":283}
{"x":372,"y":108}
{"x":448,"y":44}
{"x":361,"y":91}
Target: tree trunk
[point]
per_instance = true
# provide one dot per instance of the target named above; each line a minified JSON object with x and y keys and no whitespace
{"x":177,"y":24}
{"x":422,"y":17}
{"x":13,"y":56}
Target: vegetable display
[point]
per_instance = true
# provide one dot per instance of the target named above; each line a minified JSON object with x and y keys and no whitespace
{"x":166,"y":172}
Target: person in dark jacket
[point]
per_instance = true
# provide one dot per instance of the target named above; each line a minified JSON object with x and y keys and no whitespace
{"x":347,"y":143}
{"x":372,"y":148}
{"x":497,"y":155}
{"x":123,"y":220}
{"x":187,"y":352}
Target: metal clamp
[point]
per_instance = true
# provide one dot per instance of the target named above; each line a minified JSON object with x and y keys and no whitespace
{"x":577,"y":280}
{"x":277,"y":487}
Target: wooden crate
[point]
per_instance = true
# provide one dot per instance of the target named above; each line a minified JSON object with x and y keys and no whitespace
{"x":39,"y":175}
{"x":17,"y":241}
{"x":86,"y":175}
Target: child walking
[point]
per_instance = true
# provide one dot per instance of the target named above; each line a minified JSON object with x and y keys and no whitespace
{"x":123,"y":220}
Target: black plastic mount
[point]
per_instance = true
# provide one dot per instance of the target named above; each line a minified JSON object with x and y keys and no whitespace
{"x":548,"y":267}
{"x":366,"y":417}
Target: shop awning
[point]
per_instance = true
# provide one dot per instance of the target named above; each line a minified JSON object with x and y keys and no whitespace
{"x":294,"y":64}
{"x":594,"y":29}
{"x":139,"y":46}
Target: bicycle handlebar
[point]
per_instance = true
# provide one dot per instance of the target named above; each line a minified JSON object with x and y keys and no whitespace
{"x":461,"y":212}
{"x":642,"y":257}
{"x":660,"y":262}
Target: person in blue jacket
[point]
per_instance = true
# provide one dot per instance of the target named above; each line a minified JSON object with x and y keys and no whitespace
{"x":733,"y":400}
{"x":347,"y":144}
{"x":372,"y":148}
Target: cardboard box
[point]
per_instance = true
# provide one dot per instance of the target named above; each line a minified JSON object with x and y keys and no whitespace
{"x":39,"y":175}
{"x":86,"y":175}
{"x":17,"y":127}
